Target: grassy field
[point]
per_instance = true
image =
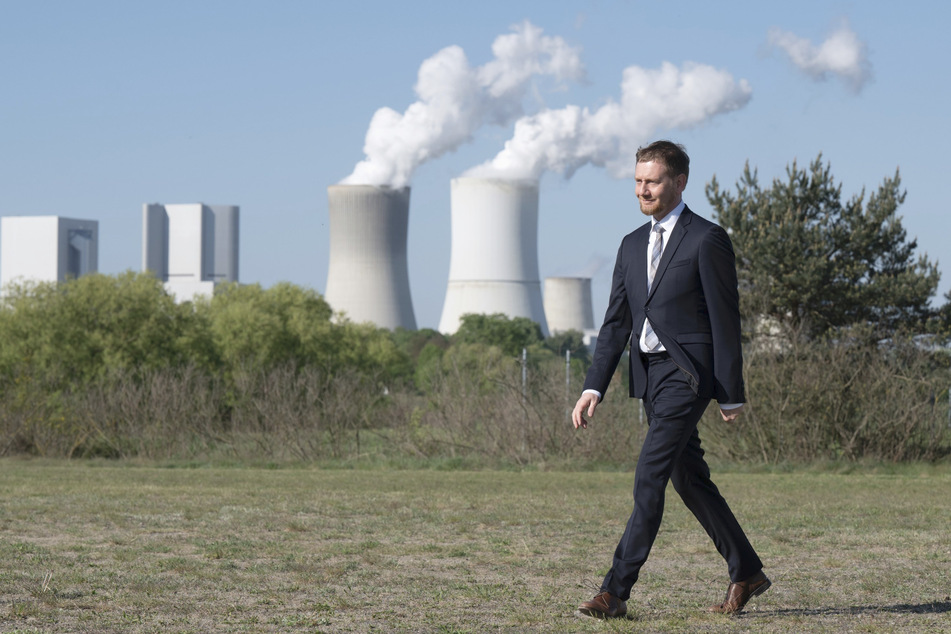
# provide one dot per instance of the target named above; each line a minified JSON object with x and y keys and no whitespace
{"x":102,"y":547}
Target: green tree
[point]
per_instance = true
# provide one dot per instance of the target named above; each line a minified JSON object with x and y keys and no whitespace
{"x":428,"y":366}
{"x":424,"y":349}
{"x":808,"y":260}
{"x":508,"y":334}
{"x":256,"y":328}
{"x":412,"y":342}
{"x":82,"y":329}
{"x":943,"y":316}
{"x":260,"y":329}
{"x":570,"y":340}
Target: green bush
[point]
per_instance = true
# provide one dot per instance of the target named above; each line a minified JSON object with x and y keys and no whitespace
{"x":81,"y":330}
{"x":111,"y":367}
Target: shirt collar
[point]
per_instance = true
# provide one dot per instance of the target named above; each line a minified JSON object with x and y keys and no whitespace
{"x":670,"y":220}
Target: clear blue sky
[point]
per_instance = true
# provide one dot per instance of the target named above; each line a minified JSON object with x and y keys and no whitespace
{"x":107,"y":105}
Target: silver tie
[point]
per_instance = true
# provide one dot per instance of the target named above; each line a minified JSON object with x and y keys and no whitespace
{"x":650,"y":339}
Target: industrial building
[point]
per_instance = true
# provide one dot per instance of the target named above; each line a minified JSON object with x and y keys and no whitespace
{"x":190,"y":247}
{"x":368,"y":276}
{"x":47,"y":249}
{"x":194,"y":247}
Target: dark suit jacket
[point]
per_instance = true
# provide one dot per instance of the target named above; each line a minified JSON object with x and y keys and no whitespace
{"x":693,"y":307}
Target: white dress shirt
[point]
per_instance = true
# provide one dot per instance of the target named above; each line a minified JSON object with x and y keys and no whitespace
{"x":668,"y":223}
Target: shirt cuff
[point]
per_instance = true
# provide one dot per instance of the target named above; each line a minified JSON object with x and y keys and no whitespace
{"x":731,"y":405}
{"x":595,"y":392}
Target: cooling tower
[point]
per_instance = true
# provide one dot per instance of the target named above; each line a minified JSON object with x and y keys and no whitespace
{"x":494,"y":263}
{"x":568,"y":304}
{"x":368,"y":277}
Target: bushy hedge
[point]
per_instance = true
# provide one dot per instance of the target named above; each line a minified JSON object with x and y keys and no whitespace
{"x":840,"y":399}
{"x":112,"y":367}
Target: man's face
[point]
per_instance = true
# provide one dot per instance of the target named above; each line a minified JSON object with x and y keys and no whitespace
{"x":657,"y":192}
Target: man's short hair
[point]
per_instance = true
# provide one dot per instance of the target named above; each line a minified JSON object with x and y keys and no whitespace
{"x":671,"y":154}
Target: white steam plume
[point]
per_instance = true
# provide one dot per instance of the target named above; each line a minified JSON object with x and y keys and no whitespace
{"x":455,"y":100}
{"x":842,"y":55}
{"x":566,"y":139}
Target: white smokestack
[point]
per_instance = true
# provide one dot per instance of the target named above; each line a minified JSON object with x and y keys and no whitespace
{"x":493,"y":267}
{"x":368,"y":276}
{"x":568,"y":304}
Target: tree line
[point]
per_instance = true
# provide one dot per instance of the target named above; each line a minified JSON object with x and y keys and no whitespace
{"x":835,"y":302}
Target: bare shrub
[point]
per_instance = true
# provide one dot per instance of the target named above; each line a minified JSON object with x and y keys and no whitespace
{"x":479,"y":406}
{"x":613,"y":435}
{"x":306,"y":413}
{"x":35,"y":418}
{"x":808,"y":402}
{"x":461,"y":399}
{"x":161,"y":414}
{"x":155,"y":414}
{"x":838,"y":400}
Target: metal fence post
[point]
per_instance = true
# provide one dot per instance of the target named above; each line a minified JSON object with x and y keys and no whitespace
{"x":568,"y":375}
{"x":524,"y":371}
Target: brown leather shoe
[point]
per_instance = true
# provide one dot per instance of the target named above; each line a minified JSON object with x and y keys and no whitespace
{"x":603,"y":605}
{"x":742,"y":591}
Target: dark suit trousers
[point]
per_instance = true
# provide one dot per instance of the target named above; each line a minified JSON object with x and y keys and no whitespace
{"x":671,"y":451}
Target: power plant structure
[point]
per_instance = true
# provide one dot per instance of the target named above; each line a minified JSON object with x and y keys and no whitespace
{"x":47,"y":248}
{"x":190,"y":247}
{"x":368,"y":274}
{"x":493,"y":266}
{"x":194,"y":247}
{"x":568,"y":304}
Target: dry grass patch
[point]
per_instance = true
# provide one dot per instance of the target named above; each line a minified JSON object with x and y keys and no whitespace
{"x":96,"y":547}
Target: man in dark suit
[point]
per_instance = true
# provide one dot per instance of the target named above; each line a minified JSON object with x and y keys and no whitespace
{"x":674,"y":299}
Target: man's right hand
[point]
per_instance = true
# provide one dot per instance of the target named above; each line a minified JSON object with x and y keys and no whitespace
{"x":589,"y":402}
